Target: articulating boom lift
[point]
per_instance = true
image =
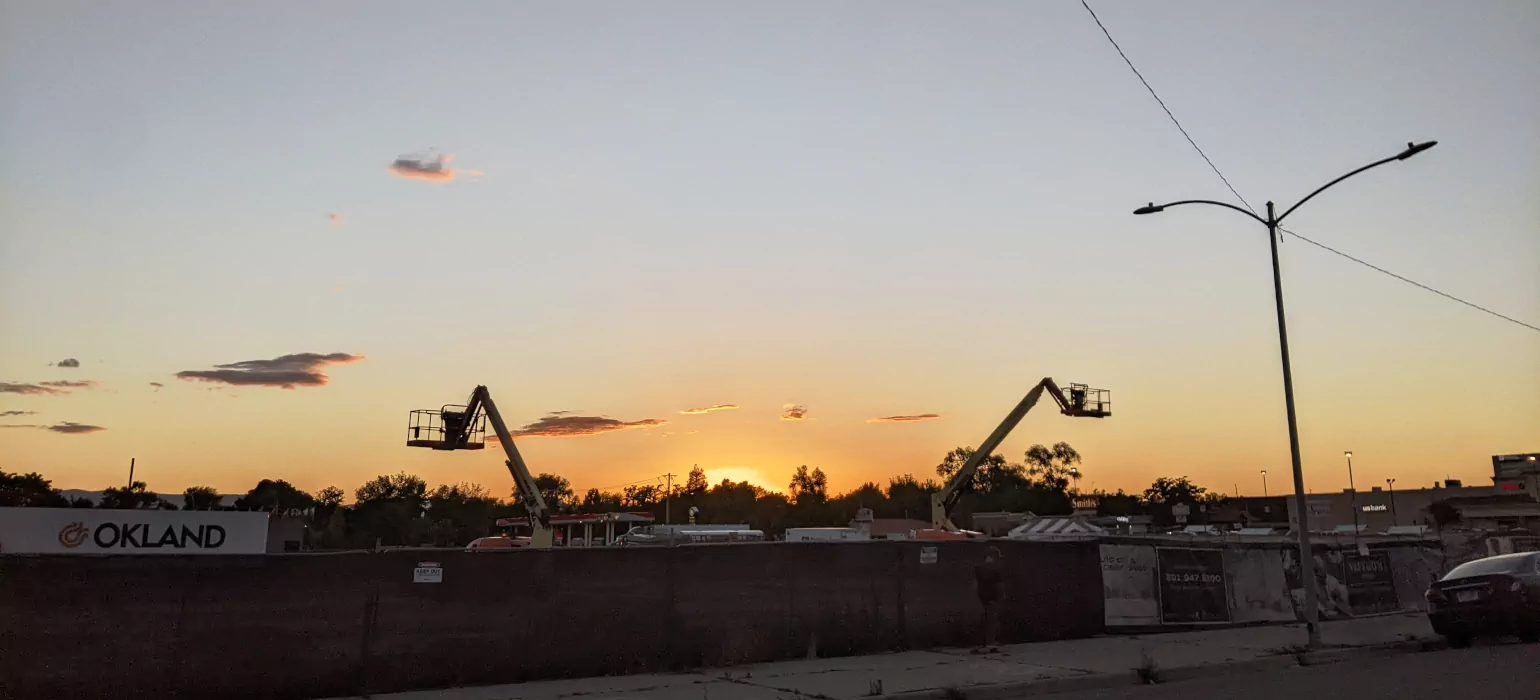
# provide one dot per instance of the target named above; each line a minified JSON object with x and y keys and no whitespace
{"x":1082,"y":401}
{"x":464,"y":428}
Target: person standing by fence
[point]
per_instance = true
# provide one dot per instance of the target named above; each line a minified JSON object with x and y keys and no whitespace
{"x":990,"y":583}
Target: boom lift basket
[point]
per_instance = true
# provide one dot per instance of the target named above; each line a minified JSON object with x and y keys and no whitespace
{"x":1086,"y":402}
{"x":445,"y":429}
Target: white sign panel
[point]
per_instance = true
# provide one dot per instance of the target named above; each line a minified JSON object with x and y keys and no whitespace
{"x":102,"y":531}
{"x":428,"y":572}
{"x":1128,"y":585}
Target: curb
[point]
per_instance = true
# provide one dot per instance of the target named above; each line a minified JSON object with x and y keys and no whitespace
{"x":1099,"y":681}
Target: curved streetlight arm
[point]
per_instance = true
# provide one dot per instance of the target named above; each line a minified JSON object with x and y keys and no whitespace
{"x":1151,"y":209}
{"x":1411,"y":150}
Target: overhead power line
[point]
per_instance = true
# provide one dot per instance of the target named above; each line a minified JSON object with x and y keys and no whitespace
{"x":1253,"y":210}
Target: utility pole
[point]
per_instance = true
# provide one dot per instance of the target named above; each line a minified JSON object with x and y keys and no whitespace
{"x":668,"y":500}
{"x":1352,"y":494}
{"x":1393,"y":519}
{"x":130,"y":473}
{"x":1301,"y":509}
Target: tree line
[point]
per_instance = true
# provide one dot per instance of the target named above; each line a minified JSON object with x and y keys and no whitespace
{"x":400,"y":509}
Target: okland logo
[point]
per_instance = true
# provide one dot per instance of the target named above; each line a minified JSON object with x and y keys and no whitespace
{"x":143,"y":536}
{"x":73,"y":534}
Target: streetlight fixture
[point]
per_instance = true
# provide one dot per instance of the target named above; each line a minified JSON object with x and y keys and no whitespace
{"x":1272,"y":222}
{"x":1264,"y":483}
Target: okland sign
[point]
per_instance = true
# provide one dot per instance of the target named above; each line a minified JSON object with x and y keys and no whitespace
{"x":98,"y":531}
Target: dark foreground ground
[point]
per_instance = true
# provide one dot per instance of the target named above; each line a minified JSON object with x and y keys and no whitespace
{"x":1491,"y":672}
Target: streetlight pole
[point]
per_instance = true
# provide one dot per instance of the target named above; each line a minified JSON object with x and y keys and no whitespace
{"x":1302,"y":512}
{"x":1264,"y":483}
{"x":1352,"y":494}
{"x":1393,"y":519}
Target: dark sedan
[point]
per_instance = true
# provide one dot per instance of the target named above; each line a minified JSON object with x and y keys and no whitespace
{"x":1492,"y":596}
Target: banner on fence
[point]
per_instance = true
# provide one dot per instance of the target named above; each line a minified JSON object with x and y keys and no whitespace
{"x":1192,"y":585}
{"x":1128,"y":585}
{"x":1371,"y":588}
{"x":107,"y":531}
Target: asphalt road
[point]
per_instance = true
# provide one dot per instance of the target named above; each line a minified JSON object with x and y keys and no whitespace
{"x":1495,"y":672}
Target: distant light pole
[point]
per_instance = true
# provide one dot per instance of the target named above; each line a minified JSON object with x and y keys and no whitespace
{"x":1272,"y":222}
{"x":1352,"y":494}
{"x":1392,"y":484}
{"x":1264,"y":483}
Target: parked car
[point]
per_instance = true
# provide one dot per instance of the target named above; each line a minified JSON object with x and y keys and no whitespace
{"x":1492,"y":596}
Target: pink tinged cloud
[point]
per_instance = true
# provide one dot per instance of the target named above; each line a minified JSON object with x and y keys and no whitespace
{"x":431,"y":168}
{"x":285,"y":372}
{"x":45,"y":388}
{"x":905,"y":419}
{"x":793,"y":411}
{"x":709,"y":409}
{"x":66,"y":428}
{"x":580,"y":426}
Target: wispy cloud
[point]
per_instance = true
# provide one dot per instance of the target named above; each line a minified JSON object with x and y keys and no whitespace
{"x":66,"y":427}
{"x":709,"y":409}
{"x":70,"y":428}
{"x":334,"y":218}
{"x":793,"y":411}
{"x":905,"y":419}
{"x":286,"y":372}
{"x":67,"y":362}
{"x":158,"y":386}
{"x":423,"y":167}
{"x":45,"y":388}
{"x":18,"y":413}
{"x":579,"y":426}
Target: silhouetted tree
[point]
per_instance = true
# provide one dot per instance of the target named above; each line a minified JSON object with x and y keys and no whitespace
{"x":329,"y":497}
{"x":695,"y":484}
{"x":556,"y":490}
{"x":1170,"y":491}
{"x":400,"y":486}
{"x":29,"y":490}
{"x":993,"y":472}
{"x":809,"y":487}
{"x":200,"y":498}
{"x":1053,"y":467}
{"x":134,"y":496}
{"x":274,"y":495}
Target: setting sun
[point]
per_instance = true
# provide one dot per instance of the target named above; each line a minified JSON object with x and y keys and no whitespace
{"x":715,"y":475}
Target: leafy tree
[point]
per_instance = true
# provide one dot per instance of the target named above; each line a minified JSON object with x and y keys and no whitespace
{"x":809,"y":487}
{"x":695,"y":484}
{"x":909,"y":498}
{"x":134,"y":496}
{"x":1170,"y":491}
{"x":200,"y":498}
{"x":460,"y":513}
{"x":641,"y":496}
{"x":400,"y":486}
{"x":329,"y":497}
{"x":29,"y":490}
{"x":1054,"y":467}
{"x":274,"y":496}
{"x":993,"y":472}
{"x":81,"y":502}
{"x":556,"y":490}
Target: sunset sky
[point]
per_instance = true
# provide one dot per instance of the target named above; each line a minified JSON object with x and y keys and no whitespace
{"x":267,"y":231}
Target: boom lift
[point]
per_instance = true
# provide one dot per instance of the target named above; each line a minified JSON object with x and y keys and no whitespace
{"x":457,"y":427}
{"x":1082,"y":402}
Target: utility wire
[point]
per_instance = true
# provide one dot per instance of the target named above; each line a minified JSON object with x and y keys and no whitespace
{"x":1412,"y":282}
{"x":634,"y":483}
{"x":1253,"y":210}
{"x":1163,"y":106}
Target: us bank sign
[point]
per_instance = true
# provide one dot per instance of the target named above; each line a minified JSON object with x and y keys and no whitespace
{"x":96,"y":531}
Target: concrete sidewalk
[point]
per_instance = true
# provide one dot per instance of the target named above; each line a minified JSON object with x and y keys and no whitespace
{"x":1018,"y":670}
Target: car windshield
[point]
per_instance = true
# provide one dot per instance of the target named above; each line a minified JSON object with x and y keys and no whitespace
{"x":1483,"y":567}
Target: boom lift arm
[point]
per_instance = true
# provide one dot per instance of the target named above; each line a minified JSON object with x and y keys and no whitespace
{"x":461,"y":429}
{"x":1082,"y":401}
